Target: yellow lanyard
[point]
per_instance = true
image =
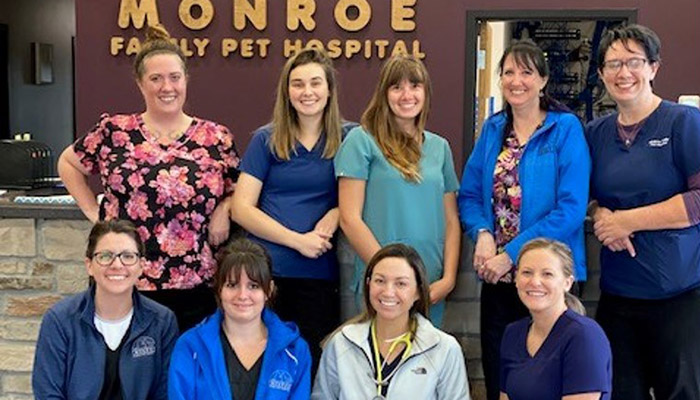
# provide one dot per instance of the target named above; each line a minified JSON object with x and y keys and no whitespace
{"x":405,"y":338}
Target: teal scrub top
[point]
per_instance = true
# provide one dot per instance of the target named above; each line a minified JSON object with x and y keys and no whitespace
{"x":396,"y":210}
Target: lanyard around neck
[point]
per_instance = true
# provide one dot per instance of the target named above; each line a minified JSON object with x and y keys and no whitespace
{"x":405,"y":338}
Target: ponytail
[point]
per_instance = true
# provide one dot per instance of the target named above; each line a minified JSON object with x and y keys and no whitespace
{"x":574,"y":304}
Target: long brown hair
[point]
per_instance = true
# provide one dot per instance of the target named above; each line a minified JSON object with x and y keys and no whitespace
{"x":566,"y":260}
{"x":420,"y":306}
{"x":157,"y":42}
{"x":285,"y":120}
{"x":401,"y":150}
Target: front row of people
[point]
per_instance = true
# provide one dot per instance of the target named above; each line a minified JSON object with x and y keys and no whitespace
{"x":111,"y":342}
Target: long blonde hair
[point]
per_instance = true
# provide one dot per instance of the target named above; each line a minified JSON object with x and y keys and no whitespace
{"x":285,"y":120}
{"x":401,"y":150}
{"x":566,"y":260}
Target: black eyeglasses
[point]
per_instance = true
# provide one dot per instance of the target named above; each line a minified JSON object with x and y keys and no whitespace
{"x":106,"y":258}
{"x":633,"y":64}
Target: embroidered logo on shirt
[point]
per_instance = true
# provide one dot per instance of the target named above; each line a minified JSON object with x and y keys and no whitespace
{"x":143,"y":346}
{"x":281,"y":380}
{"x":419,"y":371}
{"x":659,"y":142}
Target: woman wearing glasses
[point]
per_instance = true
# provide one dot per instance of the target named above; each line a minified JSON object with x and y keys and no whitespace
{"x":646,"y":190}
{"x":391,"y":350}
{"x":108,"y":342}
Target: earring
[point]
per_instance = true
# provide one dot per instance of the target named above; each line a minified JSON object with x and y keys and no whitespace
{"x":541,"y":92}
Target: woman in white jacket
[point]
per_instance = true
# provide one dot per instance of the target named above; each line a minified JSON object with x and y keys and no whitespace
{"x":392,"y":351}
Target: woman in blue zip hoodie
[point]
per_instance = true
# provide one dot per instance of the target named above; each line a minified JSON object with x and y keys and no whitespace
{"x":242,"y":351}
{"x":527,"y":177}
{"x":109,"y":342}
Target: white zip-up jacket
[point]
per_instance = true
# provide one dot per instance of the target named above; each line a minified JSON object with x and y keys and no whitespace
{"x":434,"y":369}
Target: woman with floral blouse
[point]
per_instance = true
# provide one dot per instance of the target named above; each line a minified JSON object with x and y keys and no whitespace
{"x":527,"y":177}
{"x":169,"y":173}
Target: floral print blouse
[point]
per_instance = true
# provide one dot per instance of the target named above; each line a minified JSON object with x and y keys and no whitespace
{"x":507,"y":196}
{"x":168,"y":191}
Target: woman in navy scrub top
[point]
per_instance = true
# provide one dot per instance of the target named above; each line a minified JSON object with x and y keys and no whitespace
{"x":287,"y":195}
{"x":556,"y":353}
{"x":645,"y":185}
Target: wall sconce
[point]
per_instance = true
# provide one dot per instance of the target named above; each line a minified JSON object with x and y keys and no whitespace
{"x":42,"y":63}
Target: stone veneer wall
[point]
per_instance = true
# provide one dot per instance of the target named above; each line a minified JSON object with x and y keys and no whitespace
{"x":41,"y":261}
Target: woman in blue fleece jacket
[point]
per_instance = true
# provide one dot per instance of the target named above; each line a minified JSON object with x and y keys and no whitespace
{"x":527,"y":177}
{"x":243,"y":351}
{"x":109,"y":342}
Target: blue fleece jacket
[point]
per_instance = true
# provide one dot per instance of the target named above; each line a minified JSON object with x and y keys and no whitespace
{"x":554,"y":176}
{"x":198,"y":369}
{"x":71,"y":353}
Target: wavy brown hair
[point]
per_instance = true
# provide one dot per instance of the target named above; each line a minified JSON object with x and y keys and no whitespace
{"x":157,"y":42}
{"x":285,"y":120}
{"x":400,"y":149}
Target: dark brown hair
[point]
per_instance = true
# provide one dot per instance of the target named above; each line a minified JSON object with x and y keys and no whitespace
{"x":243,"y":255}
{"x":643,"y":36}
{"x":526,"y":54}
{"x":102,"y":228}
{"x":157,"y":42}
{"x":420,"y":306}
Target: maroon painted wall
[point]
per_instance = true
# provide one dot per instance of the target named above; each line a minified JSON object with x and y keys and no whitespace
{"x":239,"y":93}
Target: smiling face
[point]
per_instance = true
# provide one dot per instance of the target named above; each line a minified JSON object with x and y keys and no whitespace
{"x":541,"y":281}
{"x":626,"y":86}
{"x":392,"y":289}
{"x":242,"y":300}
{"x":521,"y":83}
{"x":308,"y":90}
{"x":115,"y":278}
{"x":163,"y":84}
{"x":406,"y":100}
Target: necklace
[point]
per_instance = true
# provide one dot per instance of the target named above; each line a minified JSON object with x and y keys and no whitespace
{"x":170,"y":134}
{"x":628,"y":133}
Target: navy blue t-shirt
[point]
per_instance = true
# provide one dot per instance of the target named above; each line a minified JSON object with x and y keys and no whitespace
{"x":657,"y":166}
{"x":575,"y":358}
{"x":296,"y":193}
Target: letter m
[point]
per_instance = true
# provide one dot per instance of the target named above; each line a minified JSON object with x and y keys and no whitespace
{"x":137,"y":11}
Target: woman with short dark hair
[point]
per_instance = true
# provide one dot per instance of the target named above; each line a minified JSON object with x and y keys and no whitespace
{"x":109,"y":342}
{"x":646,"y":190}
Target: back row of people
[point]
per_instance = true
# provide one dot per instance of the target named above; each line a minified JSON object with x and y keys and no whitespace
{"x":528,"y":176}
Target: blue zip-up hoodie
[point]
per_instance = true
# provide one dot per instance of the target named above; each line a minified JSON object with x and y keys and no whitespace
{"x":198,"y":368}
{"x":554,"y":174}
{"x":71,"y":353}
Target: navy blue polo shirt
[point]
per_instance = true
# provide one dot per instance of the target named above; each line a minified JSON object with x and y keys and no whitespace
{"x":575,"y":358}
{"x":665,"y":153}
{"x":296,"y":193}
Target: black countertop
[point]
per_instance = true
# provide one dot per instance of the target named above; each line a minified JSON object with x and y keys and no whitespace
{"x":40,"y":211}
